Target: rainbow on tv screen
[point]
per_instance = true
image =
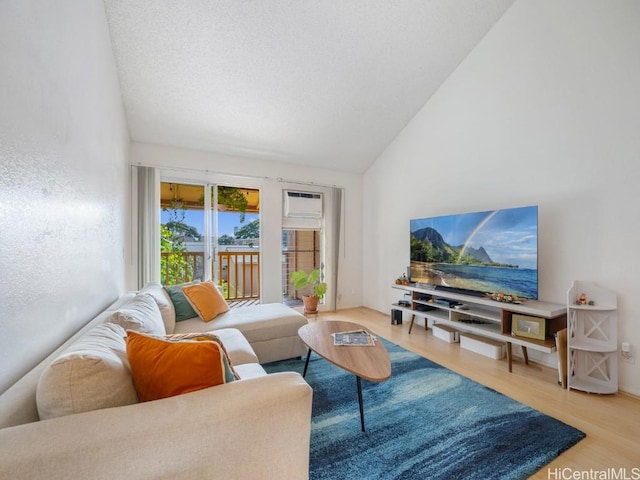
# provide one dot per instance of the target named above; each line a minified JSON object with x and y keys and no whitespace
{"x":482,"y":252}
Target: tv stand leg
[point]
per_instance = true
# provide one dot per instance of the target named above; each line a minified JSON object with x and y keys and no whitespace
{"x":525,"y":355}
{"x":413,"y":317}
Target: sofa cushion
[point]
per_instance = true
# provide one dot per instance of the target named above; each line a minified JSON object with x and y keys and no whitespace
{"x":257,"y":323}
{"x":140,"y":314}
{"x":182,"y":307}
{"x":237,"y":346}
{"x":206,"y":300}
{"x":250,"y":370}
{"x":163,"y":368}
{"x":93,"y":373}
{"x":165,"y":305}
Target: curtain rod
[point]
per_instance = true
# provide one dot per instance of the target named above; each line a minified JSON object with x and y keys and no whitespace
{"x":236,"y":175}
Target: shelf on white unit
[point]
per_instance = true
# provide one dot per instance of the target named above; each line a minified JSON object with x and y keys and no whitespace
{"x":422,"y":302}
{"x":478,"y":328}
{"x":590,"y":346}
{"x":437,"y":314}
{"x":548,"y":345}
{"x":597,"y":308}
{"x":487,"y":314}
{"x":591,"y":386}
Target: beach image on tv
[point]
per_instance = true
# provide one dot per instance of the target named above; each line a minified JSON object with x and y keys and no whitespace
{"x":488,"y":252}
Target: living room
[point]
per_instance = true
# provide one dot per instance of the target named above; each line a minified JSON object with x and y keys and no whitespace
{"x":544,"y":110}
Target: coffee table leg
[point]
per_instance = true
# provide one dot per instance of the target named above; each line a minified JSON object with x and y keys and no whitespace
{"x":359,"y":382}
{"x":306,"y":363}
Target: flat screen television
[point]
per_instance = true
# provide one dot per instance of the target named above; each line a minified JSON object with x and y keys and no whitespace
{"x":478,"y":253}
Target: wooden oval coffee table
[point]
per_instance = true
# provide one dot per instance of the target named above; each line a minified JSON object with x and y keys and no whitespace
{"x":369,"y":362}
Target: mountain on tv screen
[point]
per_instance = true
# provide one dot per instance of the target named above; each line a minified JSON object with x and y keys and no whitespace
{"x":482,"y":252}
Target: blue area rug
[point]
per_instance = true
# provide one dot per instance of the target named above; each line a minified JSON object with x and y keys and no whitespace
{"x":425,"y":422}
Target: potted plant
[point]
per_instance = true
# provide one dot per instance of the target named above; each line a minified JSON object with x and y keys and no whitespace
{"x":311,"y":281}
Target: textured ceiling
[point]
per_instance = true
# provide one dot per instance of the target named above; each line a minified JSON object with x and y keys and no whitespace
{"x":326,"y":83}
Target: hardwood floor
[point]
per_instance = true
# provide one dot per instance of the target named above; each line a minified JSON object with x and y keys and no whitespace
{"x":611,"y":422}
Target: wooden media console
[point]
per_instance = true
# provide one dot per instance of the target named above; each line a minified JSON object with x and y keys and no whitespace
{"x":484,"y":317}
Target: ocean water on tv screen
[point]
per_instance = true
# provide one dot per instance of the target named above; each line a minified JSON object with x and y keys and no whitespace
{"x":522,"y":282}
{"x":495,"y":251}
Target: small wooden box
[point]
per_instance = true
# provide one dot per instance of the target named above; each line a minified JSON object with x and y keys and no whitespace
{"x":484,"y":346}
{"x":446,"y":333}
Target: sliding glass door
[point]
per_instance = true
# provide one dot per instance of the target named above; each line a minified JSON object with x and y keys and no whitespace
{"x":300,"y":251}
{"x":236,"y":241}
{"x":182,"y":233}
{"x":211,"y":231}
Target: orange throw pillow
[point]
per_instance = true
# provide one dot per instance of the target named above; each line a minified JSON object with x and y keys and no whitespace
{"x":163,"y":368}
{"x":206,"y":300}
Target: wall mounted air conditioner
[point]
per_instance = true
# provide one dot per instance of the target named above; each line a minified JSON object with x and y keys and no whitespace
{"x":302,"y":204}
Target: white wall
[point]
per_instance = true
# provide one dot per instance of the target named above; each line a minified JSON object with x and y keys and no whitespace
{"x":546,"y":111}
{"x":63,"y":148}
{"x":265,"y":175}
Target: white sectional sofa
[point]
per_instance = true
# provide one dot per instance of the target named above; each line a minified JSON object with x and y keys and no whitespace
{"x":254,"y":427}
{"x":270,"y":328}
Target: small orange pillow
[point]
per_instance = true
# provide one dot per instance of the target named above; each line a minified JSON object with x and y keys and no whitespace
{"x":163,"y":368}
{"x":206,"y":300}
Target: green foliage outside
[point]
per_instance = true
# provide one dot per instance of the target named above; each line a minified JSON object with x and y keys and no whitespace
{"x":174,"y":267}
{"x":180,"y":228}
{"x":250,"y":230}
{"x":234,"y":199}
{"x":226,"y":240}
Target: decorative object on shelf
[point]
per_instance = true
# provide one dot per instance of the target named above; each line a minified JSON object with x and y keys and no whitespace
{"x":474,"y":321}
{"x":582,"y":300}
{"x":302,"y":280}
{"x":402,"y":280}
{"x":529,"y":327}
{"x":505,"y":298}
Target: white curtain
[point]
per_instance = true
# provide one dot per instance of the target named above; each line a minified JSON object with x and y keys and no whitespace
{"x":338,"y":232}
{"x":148,"y":225}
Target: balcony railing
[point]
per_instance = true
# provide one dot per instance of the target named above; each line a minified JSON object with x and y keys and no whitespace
{"x":238,"y":272}
{"x":241,"y":272}
{"x":181,"y":267}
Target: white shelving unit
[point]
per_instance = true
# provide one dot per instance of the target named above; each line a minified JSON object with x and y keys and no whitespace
{"x":592,"y":339}
{"x":483,"y":316}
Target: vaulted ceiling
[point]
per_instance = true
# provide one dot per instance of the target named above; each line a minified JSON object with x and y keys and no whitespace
{"x":325,"y":83}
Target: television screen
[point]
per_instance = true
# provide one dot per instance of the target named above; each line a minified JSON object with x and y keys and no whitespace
{"x":478,"y":253}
